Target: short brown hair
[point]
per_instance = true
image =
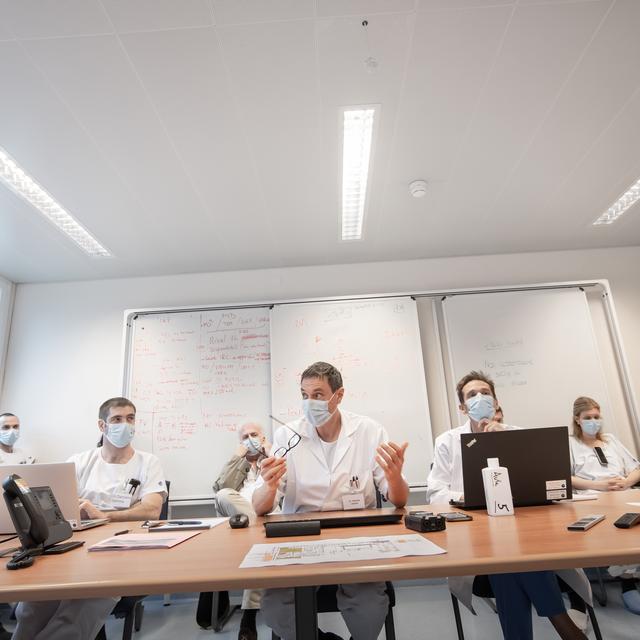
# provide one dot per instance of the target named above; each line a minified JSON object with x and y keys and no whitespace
{"x":474,"y":375}
{"x":583,"y":403}
{"x":324,"y":370}
{"x":107,"y":405}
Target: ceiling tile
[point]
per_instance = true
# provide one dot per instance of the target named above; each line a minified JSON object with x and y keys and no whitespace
{"x":427,"y":5}
{"x":151,"y":15}
{"x":96,"y":80}
{"x":47,"y":18}
{"x":228,"y":12}
{"x":452,"y":54}
{"x":601,"y":86}
{"x":188,"y":83}
{"x":523,"y":87}
{"x":273,"y":79}
{"x":363,"y":8}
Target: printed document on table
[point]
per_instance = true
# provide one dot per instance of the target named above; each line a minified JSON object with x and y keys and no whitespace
{"x":339,"y":550}
{"x":142,"y":541}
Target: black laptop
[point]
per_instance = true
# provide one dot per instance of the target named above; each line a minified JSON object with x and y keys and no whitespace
{"x":538,"y":461}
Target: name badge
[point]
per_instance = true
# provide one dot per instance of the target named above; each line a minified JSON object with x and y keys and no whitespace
{"x":353,"y":501}
{"x":121,"y":500}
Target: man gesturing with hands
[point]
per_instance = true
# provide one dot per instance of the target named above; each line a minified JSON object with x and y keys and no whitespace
{"x":326,"y":461}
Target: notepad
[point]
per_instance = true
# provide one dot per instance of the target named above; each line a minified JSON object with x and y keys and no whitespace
{"x":142,"y":541}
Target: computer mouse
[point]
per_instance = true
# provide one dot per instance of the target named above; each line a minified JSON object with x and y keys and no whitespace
{"x":239,"y":521}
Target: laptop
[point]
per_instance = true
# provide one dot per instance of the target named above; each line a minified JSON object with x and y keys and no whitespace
{"x":61,"y":477}
{"x":538,"y":461}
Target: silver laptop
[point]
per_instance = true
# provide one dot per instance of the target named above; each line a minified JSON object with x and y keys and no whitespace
{"x":61,"y":477}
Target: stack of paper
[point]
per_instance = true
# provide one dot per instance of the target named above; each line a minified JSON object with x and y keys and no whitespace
{"x":142,"y":541}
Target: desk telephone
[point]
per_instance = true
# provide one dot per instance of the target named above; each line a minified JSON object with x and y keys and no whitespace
{"x":38,"y":521}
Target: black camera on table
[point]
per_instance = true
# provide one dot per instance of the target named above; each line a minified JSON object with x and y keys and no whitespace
{"x":424,"y":522}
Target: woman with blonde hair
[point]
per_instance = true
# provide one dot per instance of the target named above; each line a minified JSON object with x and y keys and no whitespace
{"x":600,"y":462}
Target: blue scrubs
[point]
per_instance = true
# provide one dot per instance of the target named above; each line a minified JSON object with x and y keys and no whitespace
{"x":516,"y":592}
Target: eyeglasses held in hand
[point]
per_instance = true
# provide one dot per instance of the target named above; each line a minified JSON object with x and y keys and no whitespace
{"x":294,"y":440}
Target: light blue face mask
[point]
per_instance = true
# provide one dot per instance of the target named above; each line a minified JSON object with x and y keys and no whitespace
{"x":253,"y":446}
{"x":591,"y":427}
{"x":317,"y":411}
{"x":480,"y":407}
{"x":9,"y":437}
{"x":120,"y":434}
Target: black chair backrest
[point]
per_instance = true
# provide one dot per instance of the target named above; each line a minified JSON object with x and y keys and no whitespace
{"x":164,"y":512}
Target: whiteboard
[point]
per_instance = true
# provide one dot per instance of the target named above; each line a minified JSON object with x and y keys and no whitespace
{"x":195,"y":377}
{"x":376,"y":346}
{"x":539,"y":348}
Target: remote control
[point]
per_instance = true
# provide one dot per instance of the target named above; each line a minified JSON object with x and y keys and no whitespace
{"x":585,"y":523}
{"x":627,"y":520}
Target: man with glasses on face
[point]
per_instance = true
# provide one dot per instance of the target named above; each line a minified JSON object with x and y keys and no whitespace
{"x":326,"y":461}
{"x":9,"y":434}
{"x":233,"y":490}
{"x":117,"y":482}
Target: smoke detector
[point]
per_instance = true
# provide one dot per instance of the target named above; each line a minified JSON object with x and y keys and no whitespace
{"x":418,"y":188}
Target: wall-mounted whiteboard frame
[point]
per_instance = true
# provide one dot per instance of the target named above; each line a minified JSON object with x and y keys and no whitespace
{"x":601,"y":285}
{"x":7,"y":296}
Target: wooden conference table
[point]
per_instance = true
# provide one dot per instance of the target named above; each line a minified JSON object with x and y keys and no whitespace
{"x":535,"y":539}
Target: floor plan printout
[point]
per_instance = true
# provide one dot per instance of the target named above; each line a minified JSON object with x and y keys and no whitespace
{"x":339,"y":550}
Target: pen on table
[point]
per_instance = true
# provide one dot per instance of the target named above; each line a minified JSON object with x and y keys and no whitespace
{"x":120,"y":533}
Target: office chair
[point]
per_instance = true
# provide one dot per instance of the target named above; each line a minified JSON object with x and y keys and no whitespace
{"x":482,"y":589}
{"x":327,"y":603}
{"x":130,"y":607}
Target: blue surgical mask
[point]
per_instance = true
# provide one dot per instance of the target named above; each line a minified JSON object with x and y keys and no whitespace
{"x":253,"y":445}
{"x":480,"y":407}
{"x":9,"y":437}
{"x":317,"y":411}
{"x":120,"y":434}
{"x":591,"y":427}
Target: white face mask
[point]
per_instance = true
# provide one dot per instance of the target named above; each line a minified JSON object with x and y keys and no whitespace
{"x":480,"y":407}
{"x":317,"y":411}
{"x":120,"y":434}
{"x":9,"y":437}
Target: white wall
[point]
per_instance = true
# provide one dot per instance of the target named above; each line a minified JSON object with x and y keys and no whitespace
{"x":64,"y":354}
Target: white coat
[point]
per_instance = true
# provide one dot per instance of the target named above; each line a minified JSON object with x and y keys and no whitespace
{"x":311,"y":485}
{"x":445,"y":482}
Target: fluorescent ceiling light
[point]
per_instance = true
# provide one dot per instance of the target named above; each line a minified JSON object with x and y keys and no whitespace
{"x":626,"y":200}
{"x":358,"y":135}
{"x":28,"y":189}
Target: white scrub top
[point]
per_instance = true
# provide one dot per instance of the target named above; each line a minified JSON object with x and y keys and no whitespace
{"x":311,"y":484}
{"x":107,"y":486}
{"x":445,"y":481}
{"x":585,"y":463}
{"x":19,"y":456}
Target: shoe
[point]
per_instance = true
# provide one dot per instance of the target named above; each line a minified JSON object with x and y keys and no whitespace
{"x":631,"y":601}
{"x":580,"y":619}
{"x":246,"y":633}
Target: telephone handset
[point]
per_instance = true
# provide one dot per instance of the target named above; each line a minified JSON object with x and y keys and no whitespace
{"x":25,"y":511}
{"x":37,"y":519}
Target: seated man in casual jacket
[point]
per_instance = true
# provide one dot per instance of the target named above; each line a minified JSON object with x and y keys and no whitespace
{"x":234,"y":488}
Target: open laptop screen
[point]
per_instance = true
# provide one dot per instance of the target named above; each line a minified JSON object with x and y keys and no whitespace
{"x":538,"y":461}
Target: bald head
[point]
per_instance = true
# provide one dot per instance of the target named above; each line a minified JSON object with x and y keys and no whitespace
{"x":250,"y":429}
